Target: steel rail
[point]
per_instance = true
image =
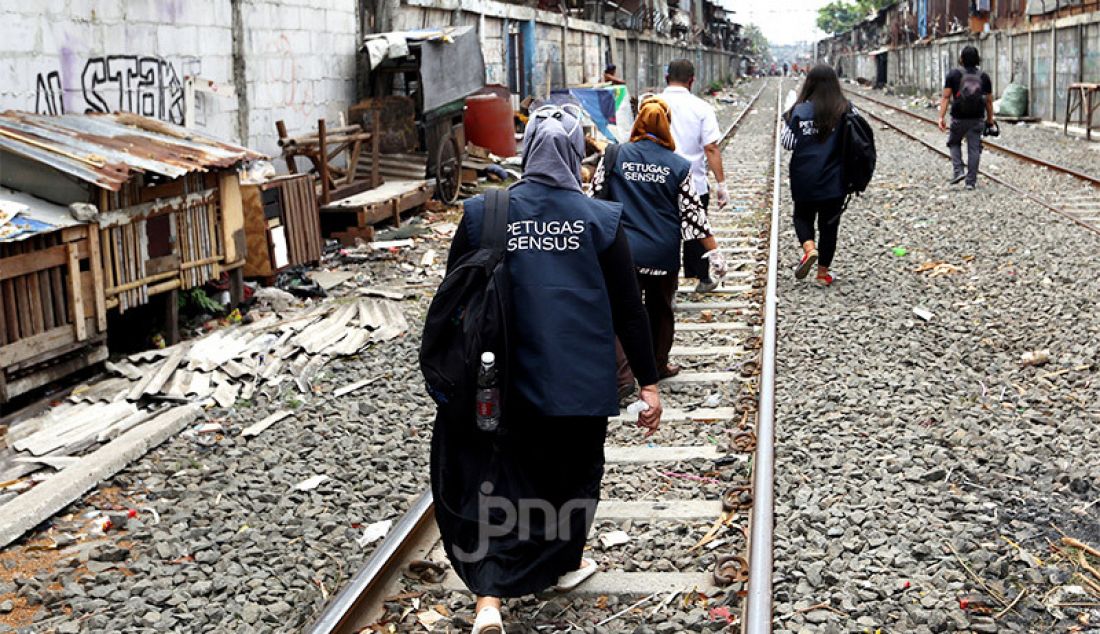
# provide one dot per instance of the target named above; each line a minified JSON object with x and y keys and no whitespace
{"x":1095,"y":180}
{"x":758,"y":602}
{"x":996,"y":179}
{"x":727,"y":136}
{"x":347,"y":602}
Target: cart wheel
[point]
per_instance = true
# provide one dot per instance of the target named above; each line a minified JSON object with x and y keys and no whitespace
{"x":448,"y":170}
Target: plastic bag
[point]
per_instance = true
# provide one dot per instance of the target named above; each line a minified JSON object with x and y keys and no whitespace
{"x":1013,"y":103}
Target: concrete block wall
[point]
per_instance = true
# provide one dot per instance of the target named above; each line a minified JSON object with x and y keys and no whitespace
{"x":79,"y":55}
{"x":299,"y":58}
{"x":1046,"y":57}
{"x":134,"y":55}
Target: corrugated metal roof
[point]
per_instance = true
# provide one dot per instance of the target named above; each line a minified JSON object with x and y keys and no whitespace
{"x":23,"y":215}
{"x":107,"y":149}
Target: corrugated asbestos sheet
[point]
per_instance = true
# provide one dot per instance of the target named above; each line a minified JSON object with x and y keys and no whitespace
{"x":107,"y":149}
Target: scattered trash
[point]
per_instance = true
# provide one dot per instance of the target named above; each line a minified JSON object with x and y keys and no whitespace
{"x":278,"y":299}
{"x":428,"y":618}
{"x":390,"y":244}
{"x":348,"y":389}
{"x":614,"y":538}
{"x":296,"y":281}
{"x":429,"y":258}
{"x":310,"y":484}
{"x":900,"y":251}
{"x":923,"y":313}
{"x":1035,"y":357}
{"x":329,"y":280}
{"x":258,"y":428}
{"x":375,"y":532}
{"x":937,"y":269}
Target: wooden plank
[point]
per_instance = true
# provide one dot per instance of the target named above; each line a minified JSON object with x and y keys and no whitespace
{"x":33,"y":261}
{"x":11,"y":315}
{"x":80,"y":328}
{"x":57,"y":290}
{"x":46,"y":297}
{"x":95,"y":265}
{"x":229,"y":199}
{"x":22,"y":302}
{"x":54,"y":372}
{"x":3,"y":320}
{"x":323,"y":167}
{"x":35,"y":345}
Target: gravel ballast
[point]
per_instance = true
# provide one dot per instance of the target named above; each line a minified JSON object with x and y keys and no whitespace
{"x":901,"y":442}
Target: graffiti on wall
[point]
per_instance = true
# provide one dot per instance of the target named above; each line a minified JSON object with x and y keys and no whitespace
{"x":141,"y":84}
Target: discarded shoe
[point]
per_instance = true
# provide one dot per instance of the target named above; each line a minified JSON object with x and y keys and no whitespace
{"x":488,"y":621}
{"x":807,"y":263}
{"x":574,"y":578}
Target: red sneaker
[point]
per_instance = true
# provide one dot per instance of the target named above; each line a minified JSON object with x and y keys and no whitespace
{"x":824,"y":280}
{"x":804,"y":266}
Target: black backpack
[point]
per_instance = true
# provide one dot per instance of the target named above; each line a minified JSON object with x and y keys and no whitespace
{"x":857,"y":146}
{"x":469,"y":315}
{"x":970,"y":100}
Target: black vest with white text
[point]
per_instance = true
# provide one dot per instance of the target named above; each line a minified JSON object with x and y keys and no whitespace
{"x":564,"y":356}
{"x":646,"y":179}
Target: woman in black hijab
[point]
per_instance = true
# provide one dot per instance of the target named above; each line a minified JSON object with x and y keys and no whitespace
{"x":514,"y":506}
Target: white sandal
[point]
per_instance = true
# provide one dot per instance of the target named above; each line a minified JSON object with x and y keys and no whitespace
{"x":488,"y":621}
{"x":574,"y":578}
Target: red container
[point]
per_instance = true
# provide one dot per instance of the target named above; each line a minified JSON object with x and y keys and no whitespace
{"x":489,"y":123}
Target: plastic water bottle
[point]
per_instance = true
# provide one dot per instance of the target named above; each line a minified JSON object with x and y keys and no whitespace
{"x":637,"y":407}
{"x":488,"y":394}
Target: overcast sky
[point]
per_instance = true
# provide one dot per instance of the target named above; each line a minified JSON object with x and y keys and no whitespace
{"x":783,"y":21}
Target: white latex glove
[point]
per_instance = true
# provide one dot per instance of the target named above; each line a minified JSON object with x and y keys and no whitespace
{"x":721,"y":195}
{"x":718,"y":266}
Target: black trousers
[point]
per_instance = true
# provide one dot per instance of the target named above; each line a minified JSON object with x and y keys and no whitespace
{"x":827,"y":213}
{"x":658,"y":292}
{"x":694,"y":264}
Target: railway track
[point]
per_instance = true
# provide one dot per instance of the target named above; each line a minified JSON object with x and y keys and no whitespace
{"x":705,"y":479}
{"x":1064,"y":190}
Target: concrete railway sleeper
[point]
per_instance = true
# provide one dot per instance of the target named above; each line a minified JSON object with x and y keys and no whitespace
{"x":701,"y":484}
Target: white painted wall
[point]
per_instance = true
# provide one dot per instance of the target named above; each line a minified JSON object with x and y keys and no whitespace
{"x":133,"y":55}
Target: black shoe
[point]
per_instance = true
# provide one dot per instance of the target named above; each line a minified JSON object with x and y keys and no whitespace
{"x":971,"y":187}
{"x":957,"y":179}
{"x":706,"y":286}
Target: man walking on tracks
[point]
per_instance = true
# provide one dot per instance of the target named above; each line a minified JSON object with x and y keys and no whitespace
{"x":695,"y":131}
{"x":970,"y":92}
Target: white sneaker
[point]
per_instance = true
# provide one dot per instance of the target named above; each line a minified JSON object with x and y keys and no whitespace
{"x":488,"y":622}
{"x":574,"y":578}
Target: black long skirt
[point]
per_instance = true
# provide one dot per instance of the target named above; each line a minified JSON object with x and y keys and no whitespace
{"x":514,"y":508}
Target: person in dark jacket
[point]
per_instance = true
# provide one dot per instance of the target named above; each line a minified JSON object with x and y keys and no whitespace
{"x":514,"y":507}
{"x":817,"y":186}
{"x":660,"y":210}
{"x":969,"y":91}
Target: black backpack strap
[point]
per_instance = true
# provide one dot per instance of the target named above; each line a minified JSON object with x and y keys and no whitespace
{"x":610,"y":160}
{"x":494,"y":225}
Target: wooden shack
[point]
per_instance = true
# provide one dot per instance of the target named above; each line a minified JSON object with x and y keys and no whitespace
{"x":52,"y":308}
{"x":160,"y":211}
